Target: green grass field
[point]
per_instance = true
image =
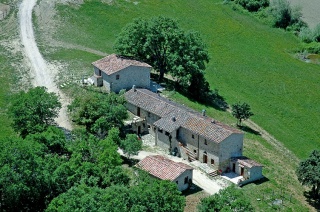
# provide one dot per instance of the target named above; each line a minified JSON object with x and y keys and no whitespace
{"x":250,"y":61}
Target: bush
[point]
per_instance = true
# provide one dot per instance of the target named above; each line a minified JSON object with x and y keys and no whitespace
{"x":306,"y":35}
{"x":313,"y":47}
{"x":316,"y":33}
{"x":285,"y":16}
{"x":253,"y":5}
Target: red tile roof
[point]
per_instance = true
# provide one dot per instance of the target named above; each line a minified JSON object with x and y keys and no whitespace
{"x":114,"y":63}
{"x":162,"y":167}
{"x":183,"y":116}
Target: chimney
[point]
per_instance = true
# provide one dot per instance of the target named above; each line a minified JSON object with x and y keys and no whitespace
{"x":204,"y":112}
{"x":134,"y":88}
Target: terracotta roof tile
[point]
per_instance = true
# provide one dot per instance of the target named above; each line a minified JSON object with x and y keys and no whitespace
{"x":185,"y":117}
{"x":162,"y":167}
{"x":114,"y":63}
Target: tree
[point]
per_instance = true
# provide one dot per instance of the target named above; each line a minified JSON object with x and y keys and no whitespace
{"x":25,"y":183}
{"x":253,"y":5}
{"x":241,"y":112}
{"x":52,"y":138}
{"x":131,"y":145}
{"x":99,"y":112}
{"x":285,"y":16}
{"x":308,"y":173}
{"x":161,"y":43}
{"x":228,"y":199}
{"x":34,"y":111}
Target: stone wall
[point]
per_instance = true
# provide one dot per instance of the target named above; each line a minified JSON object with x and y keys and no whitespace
{"x":126,"y":78}
{"x":181,"y":179}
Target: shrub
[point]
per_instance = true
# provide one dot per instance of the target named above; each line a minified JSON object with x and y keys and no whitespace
{"x":316,"y":33}
{"x":253,"y":5}
{"x":313,"y":47}
{"x":306,"y":35}
{"x":285,"y":16}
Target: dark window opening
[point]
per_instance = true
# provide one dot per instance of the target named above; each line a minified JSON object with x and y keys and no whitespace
{"x":117,"y":76}
{"x":205,"y":142}
{"x":212,"y":161}
{"x":195,"y":151}
{"x":167,"y":134}
{"x":144,"y":125}
{"x":148,"y":114}
{"x":149,"y":126}
{"x":160,"y":130}
{"x":177,"y":182}
{"x":192,"y":136}
{"x":138,"y":111}
{"x":186,"y":180}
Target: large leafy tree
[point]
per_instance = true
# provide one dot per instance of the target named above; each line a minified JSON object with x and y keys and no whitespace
{"x":241,"y":112}
{"x":229,"y":199}
{"x":308,"y":173}
{"x":161,"y":43}
{"x":131,"y":145}
{"x":99,"y":112}
{"x":25,"y":183}
{"x":34,"y":111}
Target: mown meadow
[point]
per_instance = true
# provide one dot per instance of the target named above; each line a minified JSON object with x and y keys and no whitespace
{"x":250,"y":62}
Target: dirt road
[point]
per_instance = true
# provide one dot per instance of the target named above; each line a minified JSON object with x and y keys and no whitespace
{"x":43,"y":74}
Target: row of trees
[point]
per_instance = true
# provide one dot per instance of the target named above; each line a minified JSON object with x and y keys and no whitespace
{"x":43,"y":170}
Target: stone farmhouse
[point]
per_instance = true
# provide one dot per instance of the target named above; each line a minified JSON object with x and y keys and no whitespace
{"x":116,"y":72}
{"x":186,"y":133}
{"x":165,"y":169}
{"x":179,"y":130}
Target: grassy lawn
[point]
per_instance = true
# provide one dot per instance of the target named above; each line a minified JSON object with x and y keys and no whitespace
{"x":250,"y":62}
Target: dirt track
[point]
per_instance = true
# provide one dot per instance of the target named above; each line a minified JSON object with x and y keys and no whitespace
{"x":43,"y":74}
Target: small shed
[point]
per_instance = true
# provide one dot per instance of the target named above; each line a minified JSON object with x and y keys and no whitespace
{"x":249,"y":169}
{"x":165,"y":169}
{"x":116,"y":72}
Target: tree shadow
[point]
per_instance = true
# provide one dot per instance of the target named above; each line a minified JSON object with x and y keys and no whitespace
{"x":129,"y":161}
{"x":209,"y":99}
{"x":314,"y":202}
{"x":249,"y":130}
{"x":193,"y":189}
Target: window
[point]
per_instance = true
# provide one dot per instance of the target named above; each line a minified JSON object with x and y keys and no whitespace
{"x":186,"y":180}
{"x":148,"y":114}
{"x":167,"y":134}
{"x":177,"y":182}
{"x":205,"y":142}
{"x":212,"y":161}
{"x":160,"y":130}
{"x":195,"y":151}
{"x":192,"y":136}
{"x":144,"y":125}
{"x":117,"y":76}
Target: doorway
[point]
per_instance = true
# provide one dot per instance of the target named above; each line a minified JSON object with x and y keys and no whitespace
{"x":233,"y":167}
{"x":205,"y":158}
{"x":242,"y":171}
{"x":138,"y":111}
{"x":139,"y":130}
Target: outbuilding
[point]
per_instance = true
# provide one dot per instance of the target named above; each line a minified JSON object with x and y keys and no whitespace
{"x":166,"y":169}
